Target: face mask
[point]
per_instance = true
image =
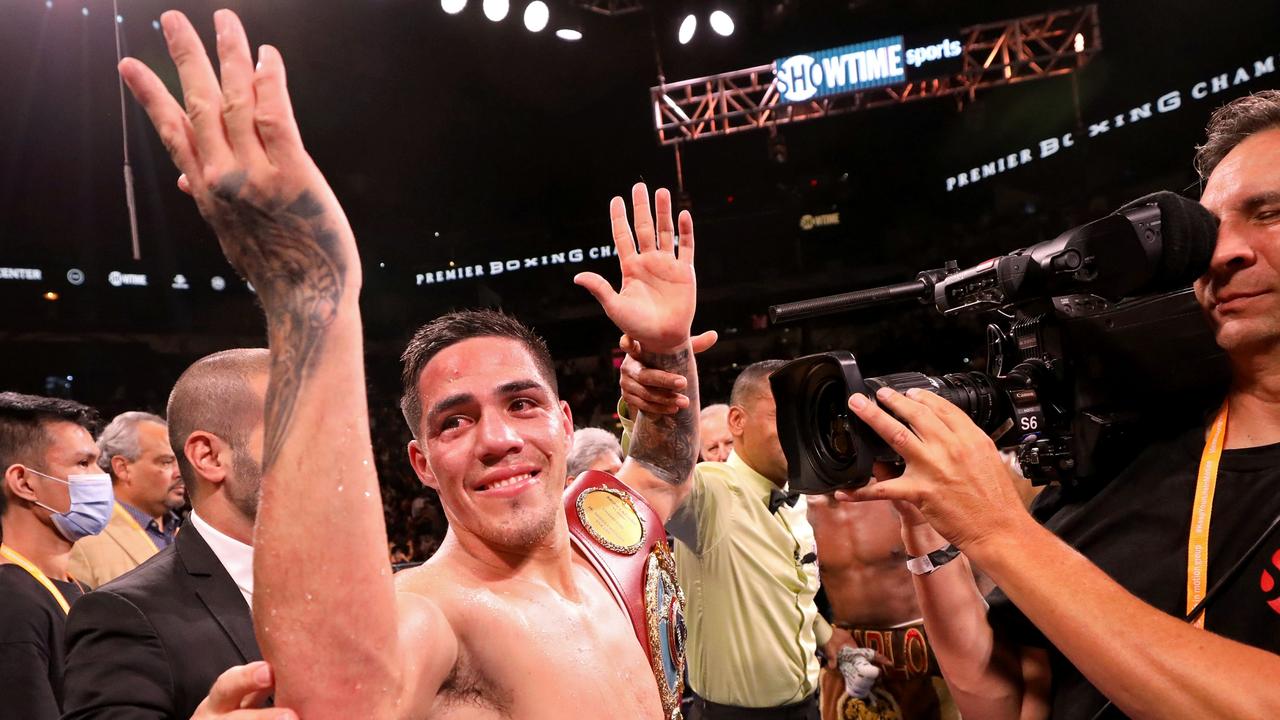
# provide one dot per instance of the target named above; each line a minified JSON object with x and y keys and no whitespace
{"x":92,"y":501}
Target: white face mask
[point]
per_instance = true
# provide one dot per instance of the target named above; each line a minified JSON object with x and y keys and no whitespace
{"x":92,"y":501}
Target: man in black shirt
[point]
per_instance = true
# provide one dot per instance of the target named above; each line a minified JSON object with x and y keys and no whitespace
{"x":44,"y":444}
{"x":1094,"y":608}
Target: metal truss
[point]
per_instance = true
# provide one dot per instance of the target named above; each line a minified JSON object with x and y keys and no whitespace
{"x":994,"y":54}
{"x":610,"y":7}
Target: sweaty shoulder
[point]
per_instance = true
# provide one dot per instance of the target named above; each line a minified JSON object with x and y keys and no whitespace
{"x":427,"y":630}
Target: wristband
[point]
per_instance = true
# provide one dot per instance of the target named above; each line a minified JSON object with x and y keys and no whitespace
{"x":926,"y":564}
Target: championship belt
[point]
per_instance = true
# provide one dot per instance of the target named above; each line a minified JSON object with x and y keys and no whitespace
{"x":625,"y":542}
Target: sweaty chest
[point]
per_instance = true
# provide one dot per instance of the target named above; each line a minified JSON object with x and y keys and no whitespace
{"x":538,"y":654}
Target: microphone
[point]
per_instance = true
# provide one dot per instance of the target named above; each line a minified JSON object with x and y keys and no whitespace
{"x":1157,"y":243}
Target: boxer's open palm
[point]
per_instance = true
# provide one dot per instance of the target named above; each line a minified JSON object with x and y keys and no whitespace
{"x":658,"y":298}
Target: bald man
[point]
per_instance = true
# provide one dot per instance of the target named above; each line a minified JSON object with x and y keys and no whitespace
{"x":152,"y":642}
{"x":713,"y":430}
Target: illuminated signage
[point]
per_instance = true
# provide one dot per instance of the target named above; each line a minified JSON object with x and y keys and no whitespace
{"x":840,"y":70}
{"x":499,"y":267}
{"x":875,"y":63}
{"x":118,"y":279}
{"x":810,"y":222}
{"x":1169,"y":102}
{"x":20,"y":273}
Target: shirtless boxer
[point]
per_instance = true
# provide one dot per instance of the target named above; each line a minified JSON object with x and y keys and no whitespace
{"x":862,"y":564}
{"x":507,"y":620}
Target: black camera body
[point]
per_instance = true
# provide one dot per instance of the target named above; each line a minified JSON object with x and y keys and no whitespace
{"x":1076,"y":383}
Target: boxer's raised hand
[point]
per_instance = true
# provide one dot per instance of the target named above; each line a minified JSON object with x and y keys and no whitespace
{"x":237,"y":146}
{"x":659,"y":293}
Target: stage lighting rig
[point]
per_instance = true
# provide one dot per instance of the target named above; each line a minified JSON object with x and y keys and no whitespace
{"x":536,"y":16}
{"x":720,"y":21}
{"x":496,"y":10}
{"x":688,"y":27}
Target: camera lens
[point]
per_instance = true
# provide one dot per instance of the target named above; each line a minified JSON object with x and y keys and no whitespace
{"x":834,"y":427}
{"x":972,"y":392}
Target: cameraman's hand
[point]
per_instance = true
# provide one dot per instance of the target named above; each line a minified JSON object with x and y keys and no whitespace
{"x":238,"y":694}
{"x":651,"y":391}
{"x":954,"y":475}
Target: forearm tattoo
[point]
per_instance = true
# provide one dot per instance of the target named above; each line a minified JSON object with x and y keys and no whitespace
{"x":667,"y":445}
{"x":290,"y":251}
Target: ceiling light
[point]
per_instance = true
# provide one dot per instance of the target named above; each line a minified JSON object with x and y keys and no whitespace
{"x":722,"y":23}
{"x":687,"y":28}
{"x":496,"y":10}
{"x":569,"y":34}
{"x":536,"y":16}
{"x":453,"y":7}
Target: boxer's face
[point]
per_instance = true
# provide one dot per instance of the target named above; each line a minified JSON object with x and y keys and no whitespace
{"x":493,"y":441}
{"x":1241,"y":291}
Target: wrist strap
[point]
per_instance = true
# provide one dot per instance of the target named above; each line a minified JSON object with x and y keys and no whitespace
{"x":926,"y":564}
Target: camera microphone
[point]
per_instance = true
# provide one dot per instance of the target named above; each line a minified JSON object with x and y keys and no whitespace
{"x":1157,"y":243}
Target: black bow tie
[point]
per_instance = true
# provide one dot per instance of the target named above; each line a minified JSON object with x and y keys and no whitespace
{"x":777,"y":497}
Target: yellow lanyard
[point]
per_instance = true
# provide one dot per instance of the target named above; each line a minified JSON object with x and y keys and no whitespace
{"x":133,"y":523}
{"x":1201,"y":513}
{"x":17,"y":559}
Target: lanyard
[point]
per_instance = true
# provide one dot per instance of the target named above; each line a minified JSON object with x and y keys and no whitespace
{"x":1201,"y":512}
{"x":17,"y":559}
{"x":128,"y":518}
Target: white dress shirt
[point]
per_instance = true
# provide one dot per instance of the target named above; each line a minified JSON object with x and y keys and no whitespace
{"x":234,"y":555}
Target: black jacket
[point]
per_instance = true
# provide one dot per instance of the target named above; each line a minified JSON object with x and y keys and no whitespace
{"x":150,"y":643}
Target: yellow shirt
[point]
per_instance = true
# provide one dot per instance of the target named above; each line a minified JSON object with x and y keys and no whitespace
{"x":751,"y":614}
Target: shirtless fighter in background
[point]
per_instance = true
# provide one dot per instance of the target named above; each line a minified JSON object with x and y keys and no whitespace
{"x":862,"y":564}
{"x":508,"y":620}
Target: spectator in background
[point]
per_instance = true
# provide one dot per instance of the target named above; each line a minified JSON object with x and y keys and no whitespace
{"x":594,"y":449}
{"x":713,"y":433}
{"x":151,"y":643}
{"x":144,"y":471}
{"x":53,"y":495}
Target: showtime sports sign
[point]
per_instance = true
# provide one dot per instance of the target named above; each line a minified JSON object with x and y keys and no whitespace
{"x":875,"y":63}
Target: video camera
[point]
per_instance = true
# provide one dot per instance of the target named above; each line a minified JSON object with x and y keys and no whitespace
{"x":1098,"y":345}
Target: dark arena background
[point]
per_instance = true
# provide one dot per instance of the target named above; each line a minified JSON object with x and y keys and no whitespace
{"x":476,"y":159}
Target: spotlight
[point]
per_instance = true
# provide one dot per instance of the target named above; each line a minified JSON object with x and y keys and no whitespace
{"x":496,"y":10}
{"x":722,"y":23}
{"x":51,"y":296}
{"x":48,"y":4}
{"x":119,"y":19}
{"x":155,"y":24}
{"x":84,"y":11}
{"x":570,"y":34}
{"x":536,"y":16}
{"x":453,"y":7}
{"x":687,"y":28}
{"x":1079,"y":42}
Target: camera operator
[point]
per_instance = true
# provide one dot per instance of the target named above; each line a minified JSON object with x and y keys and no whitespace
{"x":1103,"y":587}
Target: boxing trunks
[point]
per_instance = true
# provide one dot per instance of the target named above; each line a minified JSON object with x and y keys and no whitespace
{"x":909,"y":687}
{"x":623,"y":538}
